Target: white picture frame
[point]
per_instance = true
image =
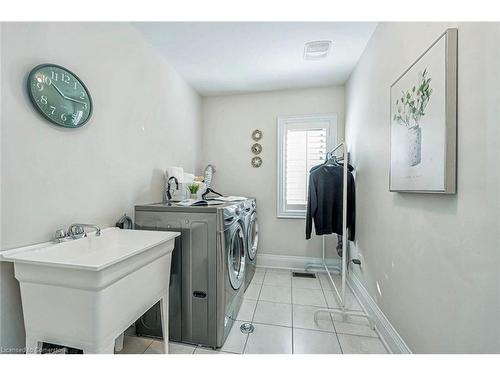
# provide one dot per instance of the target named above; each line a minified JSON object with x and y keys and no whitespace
{"x":423,"y":122}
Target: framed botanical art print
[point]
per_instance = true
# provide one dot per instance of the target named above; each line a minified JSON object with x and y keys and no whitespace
{"x":424,"y":121}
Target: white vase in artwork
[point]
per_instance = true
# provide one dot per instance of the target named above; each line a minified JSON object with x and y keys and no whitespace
{"x":194,"y":196}
{"x":414,"y":137}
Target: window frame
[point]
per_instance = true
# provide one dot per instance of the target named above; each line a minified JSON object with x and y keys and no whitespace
{"x":283,"y":123}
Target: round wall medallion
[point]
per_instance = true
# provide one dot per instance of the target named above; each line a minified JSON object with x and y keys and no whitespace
{"x":256,"y":161}
{"x":257,"y":135}
{"x":256,"y":149}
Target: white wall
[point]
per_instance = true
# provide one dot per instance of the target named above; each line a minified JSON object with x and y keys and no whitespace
{"x":145,"y":118}
{"x":435,"y":258}
{"x":228,"y":122}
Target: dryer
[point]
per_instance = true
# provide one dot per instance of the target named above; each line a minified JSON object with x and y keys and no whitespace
{"x":208,"y":270}
{"x":235,"y":257}
{"x":252,"y":237}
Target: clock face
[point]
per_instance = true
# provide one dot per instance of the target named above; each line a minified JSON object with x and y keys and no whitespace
{"x":59,"y":95}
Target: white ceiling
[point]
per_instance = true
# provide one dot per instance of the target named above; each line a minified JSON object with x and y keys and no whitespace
{"x":236,"y":57}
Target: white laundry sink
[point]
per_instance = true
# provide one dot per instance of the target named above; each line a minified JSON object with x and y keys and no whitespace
{"x":84,"y":293}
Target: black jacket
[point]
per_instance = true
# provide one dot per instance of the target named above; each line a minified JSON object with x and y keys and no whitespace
{"x":324,"y":203}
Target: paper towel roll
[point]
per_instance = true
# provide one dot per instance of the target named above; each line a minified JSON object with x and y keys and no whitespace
{"x":177,"y":172}
{"x":188,"y":177}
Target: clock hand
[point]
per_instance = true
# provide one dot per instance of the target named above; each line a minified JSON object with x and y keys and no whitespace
{"x":59,"y":91}
{"x":66,"y":97}
{"x":74,"y":100}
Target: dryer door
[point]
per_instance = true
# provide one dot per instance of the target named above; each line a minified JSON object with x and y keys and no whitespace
{"x":236,"y":258}
{"x":253,"y":236}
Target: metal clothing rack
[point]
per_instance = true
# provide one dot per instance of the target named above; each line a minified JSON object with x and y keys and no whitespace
{"x":342,"y":270}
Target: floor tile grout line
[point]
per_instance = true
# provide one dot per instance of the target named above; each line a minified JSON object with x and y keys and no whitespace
{"x":276,"y":325}
{"x":324,"y":296}
{"x":151,"y":343}
{"x":320,"y":330}
{"x":331,"y":317}
{"x":254,"y":310}
{"x":277,"y":286}
{"x":327,"y":332}
{"x":316,"y":306}
{"x":292,"y":304}
{"x":316,"y":330}
{"x":349,"y":290}
{"x":317,"y":277}
{"x":295,"y":304}
{"x":191,"y":346}
{"x":309,"y":329}
{"x":279,"y":303}
{"x":289,"y":303}
{"x":292,"y":327}
{"x":313,"y":330}
{"x":358,"y":301}
{"x":340,"y":345}
{"x":292,"y":324}
{"x":354,"y":334}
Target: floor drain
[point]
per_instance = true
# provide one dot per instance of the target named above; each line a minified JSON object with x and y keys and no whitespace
{"x":306,"y":275}
{"x":247,"y":328}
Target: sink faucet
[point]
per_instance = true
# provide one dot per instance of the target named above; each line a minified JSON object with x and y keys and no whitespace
{"x":75,"y":231}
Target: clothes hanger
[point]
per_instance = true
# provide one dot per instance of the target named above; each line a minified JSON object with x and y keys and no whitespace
{"x":327,"y":160}
{"x":331,"y":160}
{"x":169,"y":194}
{"x":209,"y":190}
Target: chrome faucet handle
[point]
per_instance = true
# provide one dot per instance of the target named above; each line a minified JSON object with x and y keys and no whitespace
{"x":60,"y":235}
{"x":76,"y":231}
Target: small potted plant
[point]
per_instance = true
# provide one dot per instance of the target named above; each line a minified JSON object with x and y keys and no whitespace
{"x":193,"y":189}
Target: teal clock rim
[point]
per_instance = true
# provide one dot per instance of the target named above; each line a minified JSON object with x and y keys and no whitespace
{"x":32,"y":99}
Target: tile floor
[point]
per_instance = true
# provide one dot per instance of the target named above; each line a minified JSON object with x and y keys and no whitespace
{"x":281,"y":308}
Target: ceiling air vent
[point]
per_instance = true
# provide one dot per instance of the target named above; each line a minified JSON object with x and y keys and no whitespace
{"x":317,"y":50}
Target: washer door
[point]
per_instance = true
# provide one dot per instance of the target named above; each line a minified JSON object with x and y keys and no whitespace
{"x":236,"y":258}
{"x":253,"y":237}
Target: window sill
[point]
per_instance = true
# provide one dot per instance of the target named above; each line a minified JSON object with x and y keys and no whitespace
{"x":291,"y":216}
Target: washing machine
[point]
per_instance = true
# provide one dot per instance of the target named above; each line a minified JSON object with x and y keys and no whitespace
{"x":208,"y":270}
{"x":236,"y":259}
{"x":251,"y":228}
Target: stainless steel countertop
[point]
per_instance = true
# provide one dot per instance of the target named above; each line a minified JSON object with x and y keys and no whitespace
{"x":172,"y":207}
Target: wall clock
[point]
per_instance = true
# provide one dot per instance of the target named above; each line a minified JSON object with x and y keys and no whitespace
{"x":256,"y":148}
{"x":256,"y":161}
{"x":59,"y":95}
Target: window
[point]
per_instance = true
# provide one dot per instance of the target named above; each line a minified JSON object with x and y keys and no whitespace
{"x":303,"y":142}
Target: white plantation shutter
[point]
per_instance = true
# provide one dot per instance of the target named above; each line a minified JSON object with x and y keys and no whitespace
{"x":304,"y":150}
{"x":302,"y":143}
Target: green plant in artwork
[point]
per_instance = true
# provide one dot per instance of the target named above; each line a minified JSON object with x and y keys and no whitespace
{"x":413,"y":102}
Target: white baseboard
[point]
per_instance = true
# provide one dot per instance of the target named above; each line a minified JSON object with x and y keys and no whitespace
{"x":386,"y":331}
{"x":289,"y":262}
